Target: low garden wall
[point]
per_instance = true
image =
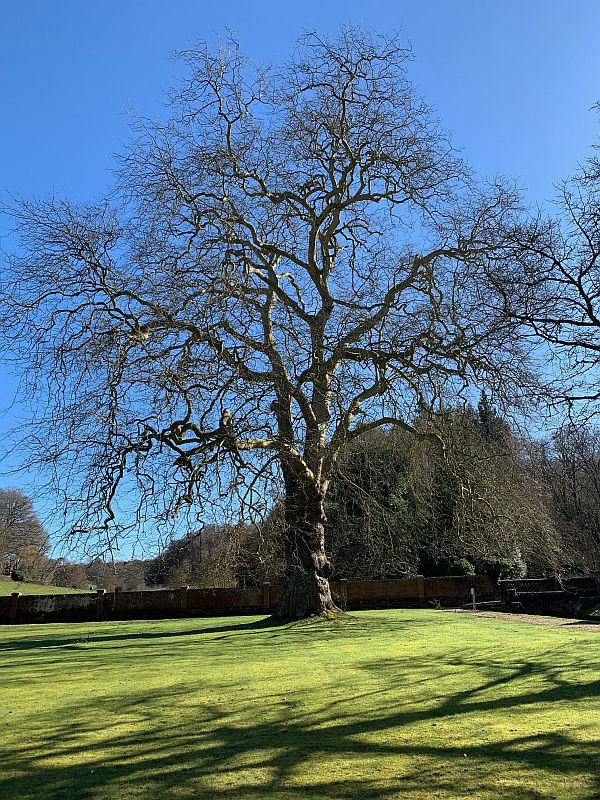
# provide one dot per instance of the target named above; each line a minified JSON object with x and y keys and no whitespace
{"x":549,"y":596}
{"x":406,"y":593}
{"x":550,"y":603}
{"x":584,"y":585}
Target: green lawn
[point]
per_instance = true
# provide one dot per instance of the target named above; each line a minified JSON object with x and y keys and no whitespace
{"x":7,"y":587}
{"x":384,"y":704}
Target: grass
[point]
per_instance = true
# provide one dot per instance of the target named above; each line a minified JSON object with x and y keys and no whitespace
{"x":386,"y":704}
{"x":7,"y":587}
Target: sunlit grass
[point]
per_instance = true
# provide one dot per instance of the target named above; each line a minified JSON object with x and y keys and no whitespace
{"x":394,"y":704}
{"x":7,"y":587}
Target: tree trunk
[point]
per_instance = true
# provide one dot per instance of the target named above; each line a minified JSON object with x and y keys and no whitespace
{"x":305,"y":590}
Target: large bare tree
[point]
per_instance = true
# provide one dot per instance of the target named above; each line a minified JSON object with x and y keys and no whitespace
{"x":288,"y":262}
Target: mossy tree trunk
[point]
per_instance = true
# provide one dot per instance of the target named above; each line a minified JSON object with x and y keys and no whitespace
{"x":305,"y":590}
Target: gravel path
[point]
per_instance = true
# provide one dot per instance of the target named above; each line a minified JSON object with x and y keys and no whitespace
{"x":532,"y":619}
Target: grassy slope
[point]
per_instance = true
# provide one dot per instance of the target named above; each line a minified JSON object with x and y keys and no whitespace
{"x":6,"y":587}
{"x":411,"y":704}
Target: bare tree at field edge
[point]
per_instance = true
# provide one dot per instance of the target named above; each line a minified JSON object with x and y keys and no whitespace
{"x":290,"y":261}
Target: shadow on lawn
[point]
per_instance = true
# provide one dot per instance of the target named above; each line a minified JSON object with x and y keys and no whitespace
{"x":266,"y":625}
{"x":210,"y":752}
{"x":89,"y":635}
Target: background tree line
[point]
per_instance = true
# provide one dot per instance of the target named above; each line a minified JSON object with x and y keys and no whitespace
{"x":494,"y":502}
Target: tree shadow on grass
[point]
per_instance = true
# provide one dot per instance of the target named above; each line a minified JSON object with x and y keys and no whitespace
{"x":104,"y":632}
{"x":182,"y":748}
{"x":89,"y":635}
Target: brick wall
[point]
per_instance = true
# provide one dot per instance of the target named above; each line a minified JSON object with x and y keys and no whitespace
{"x":585,"y":585}
{"x":407,"y":593}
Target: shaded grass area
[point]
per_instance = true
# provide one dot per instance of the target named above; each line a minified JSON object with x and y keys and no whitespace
{"x":7,"y":587}
{"x":385,"y":704}
{"x":592,"y":612}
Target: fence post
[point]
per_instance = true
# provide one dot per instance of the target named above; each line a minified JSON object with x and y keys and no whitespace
{"x":14,"y":606}
{"x":183,"y":596}
{"x":116,"y":592}
{"x":420,"y":587}
{"x":100,"y":603}
{"x":344,"y":593}
{"x":266,"y":595}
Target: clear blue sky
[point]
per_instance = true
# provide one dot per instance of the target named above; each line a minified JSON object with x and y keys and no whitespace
{"x":513,"y":81}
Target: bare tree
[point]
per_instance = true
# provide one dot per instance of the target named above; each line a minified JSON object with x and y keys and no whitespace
{"x":23,"y":541}
{"x":550,"y":283}
{"x":290,"y":261}
{"x":72,"y":576}
{"x":570,"y":466}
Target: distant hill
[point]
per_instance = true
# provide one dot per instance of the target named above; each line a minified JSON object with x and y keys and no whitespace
{"x":7,"y":586}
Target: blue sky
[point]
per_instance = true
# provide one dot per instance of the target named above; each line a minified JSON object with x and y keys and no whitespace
{"x":512,"y":81}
